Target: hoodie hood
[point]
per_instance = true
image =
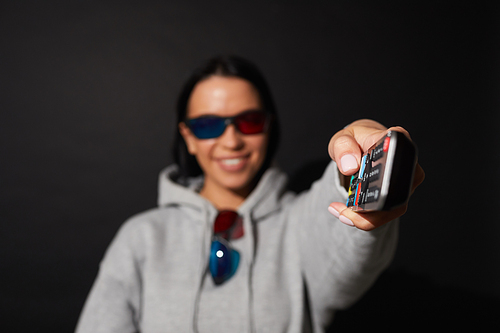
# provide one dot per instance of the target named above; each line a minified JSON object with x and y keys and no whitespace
{"x":263,"y":200}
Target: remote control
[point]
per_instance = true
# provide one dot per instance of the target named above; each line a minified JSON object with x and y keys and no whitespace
{"x":385,"y":176}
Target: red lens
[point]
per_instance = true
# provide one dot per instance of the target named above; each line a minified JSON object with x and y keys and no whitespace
{"x":251,"y":122}
{"x":228,"y":225}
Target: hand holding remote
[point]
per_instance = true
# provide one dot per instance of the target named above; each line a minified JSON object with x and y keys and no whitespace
{"x":347,"y":148}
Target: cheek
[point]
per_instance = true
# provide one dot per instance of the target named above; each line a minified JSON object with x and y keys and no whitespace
{"x":203,"y":149}
{"x":259,"y":145}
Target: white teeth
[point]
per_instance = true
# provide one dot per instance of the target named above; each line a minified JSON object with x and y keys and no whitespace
{"x":232,"y":161}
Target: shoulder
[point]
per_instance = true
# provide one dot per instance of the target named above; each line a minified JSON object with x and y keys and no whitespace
{"x":152,"y":231}
{"x":143,"y":228}
{"x":159,"y":217}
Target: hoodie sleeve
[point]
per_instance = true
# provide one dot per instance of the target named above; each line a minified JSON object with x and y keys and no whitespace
{"x":339,"y":262}
{"x":113,"y":302}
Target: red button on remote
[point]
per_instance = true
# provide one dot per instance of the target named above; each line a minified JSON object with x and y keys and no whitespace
{"x":386,"y":144}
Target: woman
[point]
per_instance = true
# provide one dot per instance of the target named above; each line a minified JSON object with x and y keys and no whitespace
{"x":228,"y":249}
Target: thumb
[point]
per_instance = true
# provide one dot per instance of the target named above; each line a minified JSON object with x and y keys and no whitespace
{"x":346,"y":152}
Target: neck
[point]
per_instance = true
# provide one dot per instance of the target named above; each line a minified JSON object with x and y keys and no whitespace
{"x":225,"y":198}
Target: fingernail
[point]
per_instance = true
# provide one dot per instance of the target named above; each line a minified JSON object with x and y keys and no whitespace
{"x":333,"y":211}
{"x":348,"y":162}
{"x":345,"y":220}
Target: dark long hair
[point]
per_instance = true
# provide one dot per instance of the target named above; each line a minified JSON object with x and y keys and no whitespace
{"x":230,"y":66}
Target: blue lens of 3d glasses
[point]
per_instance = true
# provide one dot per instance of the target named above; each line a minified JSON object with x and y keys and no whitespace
{"x":223,"y":260}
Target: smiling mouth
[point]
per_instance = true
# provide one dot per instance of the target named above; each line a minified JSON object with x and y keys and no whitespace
{"x":233,"y":164}
{"x":231,"y":161}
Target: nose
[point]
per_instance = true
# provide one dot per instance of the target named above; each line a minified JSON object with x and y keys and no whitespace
{"x":231,"y":138}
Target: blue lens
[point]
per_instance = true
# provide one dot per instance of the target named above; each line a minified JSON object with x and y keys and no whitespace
{"x":207,"y":127}
{"x":223,"y":261}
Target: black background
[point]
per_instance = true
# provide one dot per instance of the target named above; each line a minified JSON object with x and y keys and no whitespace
{"x":87,"y":92}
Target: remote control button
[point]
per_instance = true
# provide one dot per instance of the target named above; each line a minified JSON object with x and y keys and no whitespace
{"x":350,"y":201}
{"x":364,"y":162}
{"x":374,"y":173}
{"x":366,"y":182}
{"x":372,"y":194}
{"x":358,"y":195}
{"x":387,"y":141}
{"x":354,"y":182}
{"x":352,"y":190}
{"x":377,"y":152}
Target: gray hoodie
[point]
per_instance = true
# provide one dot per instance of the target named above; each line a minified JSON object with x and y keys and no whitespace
{"x":298,"y":263}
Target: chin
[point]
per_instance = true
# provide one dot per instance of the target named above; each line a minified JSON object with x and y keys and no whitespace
{"x":238,"y":184}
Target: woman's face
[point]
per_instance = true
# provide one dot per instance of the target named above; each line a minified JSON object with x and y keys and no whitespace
{"x":230,"y":161}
